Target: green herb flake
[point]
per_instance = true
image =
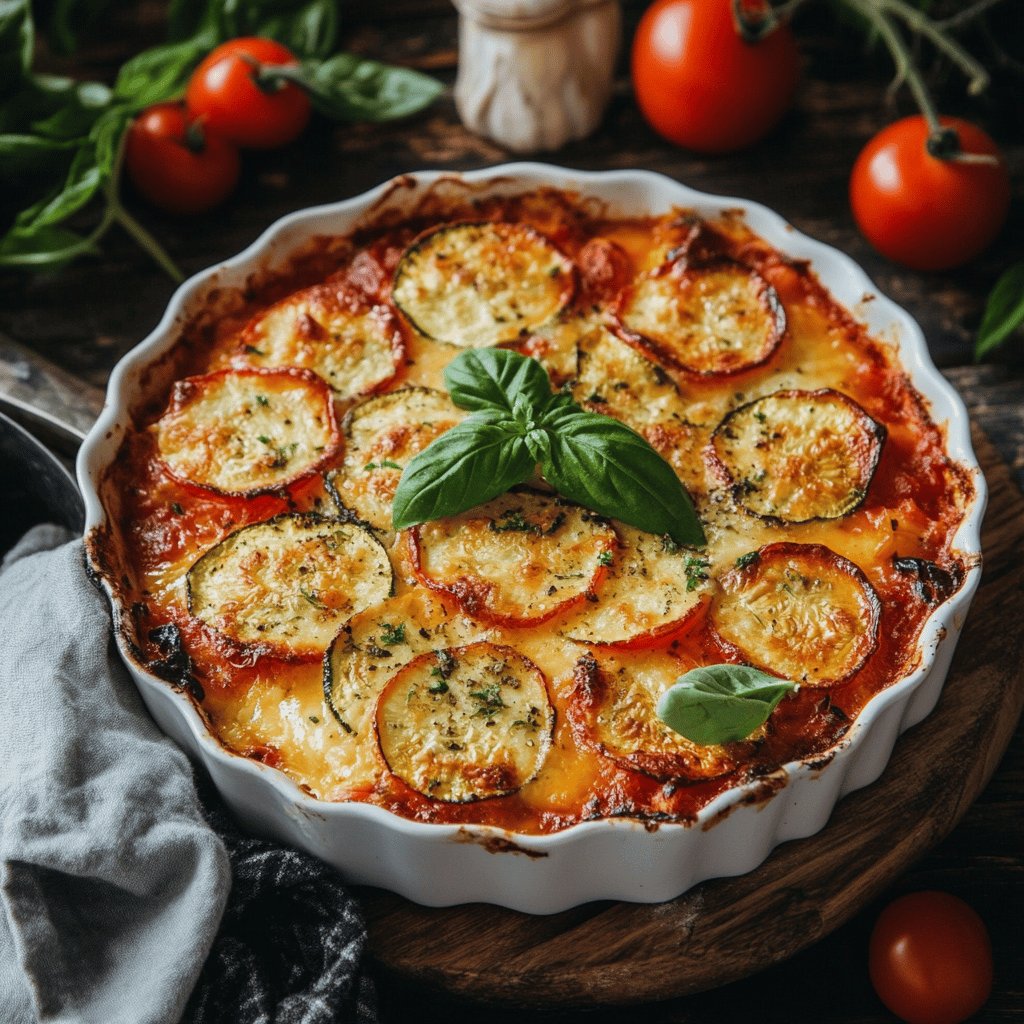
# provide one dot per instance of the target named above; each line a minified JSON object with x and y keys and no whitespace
{"x":513,"y":521}
{"x":177,"y":509}
{"x":696,"y":570}
{"x":606,"y":558}
{"x":748,"y":559}
{"x":391,"y":635}
{"x":489,"y":699}
{"x":263,"y":439}
{"x":254,"y":351}
{"x":262,"y":400}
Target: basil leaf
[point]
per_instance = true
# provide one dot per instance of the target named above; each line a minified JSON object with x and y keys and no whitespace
{"x":493,"y":378}
{"x":79,"y":108}
{"x":83,"y":182}
{"x":47,"y":246}
{"x":161,"y":72}
{"x":351,"y":88}
{"x":602,"y":464}
{"x":308,"y":30}
{"x":721,"y":703}
{"x":1004,"y":311}
{"x":473,"y":462}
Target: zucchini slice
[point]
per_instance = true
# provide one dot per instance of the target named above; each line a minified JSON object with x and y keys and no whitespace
{"x":377,"y":642}
{"x":517,"y":560}
{"x":798,"y":455}
{"x":241,"y":432}
{"x":466,"y":723}
{"x":652,"y":590}
{"x":710,"y":319}
{"x":287,"y":584}
{"x":382,"y":435}
{"x":480,"y":284}
{"x":354,"y":345}
{"x":800,"y":611}
{"x":612,"y":710}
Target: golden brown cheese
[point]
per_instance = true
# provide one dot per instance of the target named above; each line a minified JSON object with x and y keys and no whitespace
{"x":353,"y":344}
{"x":240,"y":432}
{"x":474,"y":285}
{"x":606,"y":616}
{"x":466,"y":723}
{"x":289,"y":583}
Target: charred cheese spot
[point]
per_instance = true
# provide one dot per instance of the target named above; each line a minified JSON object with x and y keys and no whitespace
{"x":799,"y":611}
{"x":381,"y":437}
{"x":517,"y":560}
{"x":475,"y":285}
{"x":241,"y":432}
{"x":720,"y":318}
{"x":798,"y":455}
{"x":466,"y":723}
{"x":653,"y":588}
{"x":612,"y":710}
{"x":354,"y":345}
{"x":287,"y":584}
{"x":375,"y":643}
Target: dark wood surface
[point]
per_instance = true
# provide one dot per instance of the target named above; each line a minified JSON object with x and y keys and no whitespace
{"x":88,"y":315}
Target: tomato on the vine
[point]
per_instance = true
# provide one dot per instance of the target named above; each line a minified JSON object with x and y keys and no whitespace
{"x":236,"y":93}
{"x":930,"y":959}
{"x":176,"y":164}
{"x":701,"y":85}
{"x":929,"y":212}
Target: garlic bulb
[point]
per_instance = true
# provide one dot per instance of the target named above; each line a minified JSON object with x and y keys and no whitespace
{"x":535,"y":74}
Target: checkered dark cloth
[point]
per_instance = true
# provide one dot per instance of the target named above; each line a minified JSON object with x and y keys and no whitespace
{"x":291,"y":945}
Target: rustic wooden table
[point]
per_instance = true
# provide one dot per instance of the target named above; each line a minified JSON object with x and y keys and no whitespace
{"x":87,"y":316}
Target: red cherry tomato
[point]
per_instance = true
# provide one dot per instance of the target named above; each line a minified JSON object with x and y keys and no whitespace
{"x":229,"y":94}
{"x":930,"y":959}
{"x":926,"y":212}
{"x":178,"y":166}
{"x":700,"y":85}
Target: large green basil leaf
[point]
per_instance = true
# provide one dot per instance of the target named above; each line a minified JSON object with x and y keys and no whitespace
{"x":355,"y":89}
{"x":602,"y":464}
{"x":473,"y":462}
{"x":493,"y":378}
{"x":721,"y":703}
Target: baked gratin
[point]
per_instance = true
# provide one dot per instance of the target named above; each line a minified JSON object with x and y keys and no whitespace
{"x":502,"y":666}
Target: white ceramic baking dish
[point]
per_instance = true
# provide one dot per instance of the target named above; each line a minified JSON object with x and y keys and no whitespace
{"x":440,"y":865}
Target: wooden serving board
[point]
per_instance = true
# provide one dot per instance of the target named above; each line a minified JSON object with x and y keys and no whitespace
{"x":725,"y":929}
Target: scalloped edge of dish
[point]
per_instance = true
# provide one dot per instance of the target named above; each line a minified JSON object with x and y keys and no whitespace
{"x":443,"y":865}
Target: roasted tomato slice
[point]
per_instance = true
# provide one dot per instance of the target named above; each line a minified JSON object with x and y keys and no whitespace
{"x":653,"y":589}
{"x":612,"y":710}
{"x":481,"y":284}
{"x":382,"y":435}
{"x":798,"y":455}
{"x":517,"y":560}
{"x":466,"y":723}
{"x":799,"y":611}
{"x":711,"y":319}
{"x":287,"y":584}
{"x":244,"y":432}
{"x":354,"y":344}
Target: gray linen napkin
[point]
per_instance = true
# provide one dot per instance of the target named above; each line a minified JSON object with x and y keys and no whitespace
{"x":111,"y":882}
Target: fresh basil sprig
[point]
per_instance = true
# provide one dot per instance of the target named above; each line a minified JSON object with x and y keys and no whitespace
{"x":721,"y":703}
{"x":517,"y":423}
{"x":61,"y":142}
